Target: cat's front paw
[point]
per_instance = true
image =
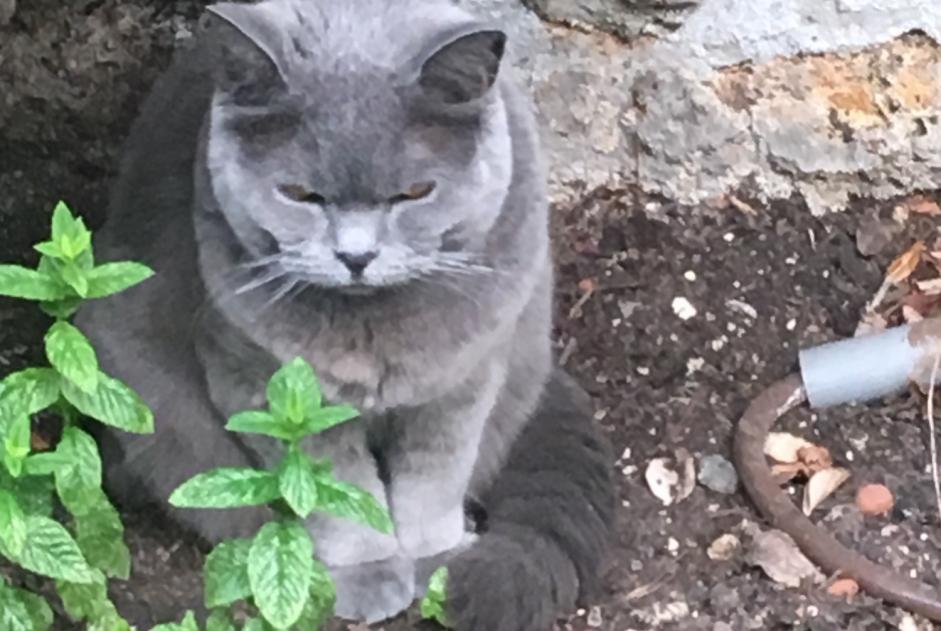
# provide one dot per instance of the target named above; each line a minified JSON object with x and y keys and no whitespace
{"x":374,"y":591}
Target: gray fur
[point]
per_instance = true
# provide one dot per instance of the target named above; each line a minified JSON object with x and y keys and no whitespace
{"x":271,"y":155}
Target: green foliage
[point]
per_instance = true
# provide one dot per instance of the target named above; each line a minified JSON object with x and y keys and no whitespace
{"x":432,"y":605}
{"x":81,"y":554}
{"x":275,"y":571}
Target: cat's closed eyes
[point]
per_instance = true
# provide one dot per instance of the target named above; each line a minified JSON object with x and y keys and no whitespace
{"x":359,"y":183}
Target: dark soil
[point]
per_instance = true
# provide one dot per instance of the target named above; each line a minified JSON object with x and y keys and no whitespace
{"x":762,"y":285}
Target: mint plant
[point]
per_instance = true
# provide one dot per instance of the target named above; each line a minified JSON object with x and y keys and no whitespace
{"x":432,"y":605}
{"x":275,"y":571}
{"x":81,"y":554}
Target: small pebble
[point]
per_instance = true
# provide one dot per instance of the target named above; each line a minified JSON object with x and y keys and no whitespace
{"x":690,"y":275}
{"x":683,"y":308}
{"x":843,"y":588}
{"x":594,"y":618}
{"x":874,"y":499}
{"x":723,"y":548}
{"x":718,"y":474}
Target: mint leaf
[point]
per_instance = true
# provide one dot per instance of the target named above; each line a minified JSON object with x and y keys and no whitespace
{"x":40,"y":614}
{"x":349,"y":501}
{"x":50,"y":249}
{"x":21,"y":282}
{"x":297,"y":482}
{"x":69,"y":232}
{"x":433,"y":604}
{"x":79,"y":483}
{"x":100,"y":536}
{"x":227,"y":488}
{"x":49,"y":550}
{"x":73,"y":276}
{"x":323,"y":596}
{"x":33,"y":494}
{"x":16,"y":444}
{"x":280,"y":565}
{"x":256,"y":624}
{"x":46,"y":463}
{"x":293,"y":392}
{"x":220,"y":620}
{"x":112,"y":403}
{"x":12,"y":524}
{"x":85,"y":601}
{"x":29,"y":391}
{"x":187,"y":624}
{"x":325,"y":418}
{"x":112,"y":278}
{"x":256,"y":422}
{"x":70,"y":352}
{"x":226,"y":573}
{"x":14,"y":616}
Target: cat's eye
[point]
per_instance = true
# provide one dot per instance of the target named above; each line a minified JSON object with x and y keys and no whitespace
{"x":415,"y":192}
{"x":297,"y":193}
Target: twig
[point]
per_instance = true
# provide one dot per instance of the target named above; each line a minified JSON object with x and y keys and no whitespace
{"x":932,"y":439}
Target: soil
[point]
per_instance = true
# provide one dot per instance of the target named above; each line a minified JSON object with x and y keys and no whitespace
{"x":763,"y":284}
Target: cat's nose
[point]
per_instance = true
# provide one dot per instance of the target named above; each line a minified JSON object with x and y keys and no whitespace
{"x":356,"y":262}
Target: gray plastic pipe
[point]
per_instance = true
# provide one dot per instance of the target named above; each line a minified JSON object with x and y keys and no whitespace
{"x":865,"y":368}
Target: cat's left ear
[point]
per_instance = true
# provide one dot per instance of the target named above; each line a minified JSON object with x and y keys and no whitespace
{"x":462,"y":67}
{"x":251,"y":46}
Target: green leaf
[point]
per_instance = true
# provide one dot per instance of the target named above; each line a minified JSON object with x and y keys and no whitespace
{"x":61,"y":309}
{"x":110,"y":621}
{"x":46,"y":463}
{"x":85,"y":600}
{"x":325,"y":418}
{"x":297,"y":482}
{"x":69,"y":232}
{"x":323,"y":596}
{"x":79,"y":483}
{"x":112,"y":403}
{"x":187,"y":624}
{"x":14,"y":615}
{"x":12,"y":524}
{"x":70,"y":352}
{"x":256,"y":624}
{"x":29,"y":391}
{"x":16,"y":444}
{"x":293,"y":392}
{"x":33,"y":494}
{"x":226,"y":573}
{"x":280,"y":566}
{"x":50,"y":249}
{"x":113,"y":278}
{"x":74,"y":277}
{"x":40,"y":614}
{"x":21,"y":282}
{"x":220,"y":620}
{"x":346,"y":500}
{"x":227,"y":488}
{"x":50,"y":551}
{"x":256,"y":422}
{"x":433,"y":604}
{"x":100,"y":536}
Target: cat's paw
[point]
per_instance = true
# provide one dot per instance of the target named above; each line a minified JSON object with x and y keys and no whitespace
{"x":427,"y":566}
{"x":374,"y":591}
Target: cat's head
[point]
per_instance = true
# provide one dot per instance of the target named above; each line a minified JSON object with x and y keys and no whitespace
{"x":360,"y":144}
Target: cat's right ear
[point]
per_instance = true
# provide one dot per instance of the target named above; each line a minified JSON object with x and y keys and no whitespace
{"x":462,"y":66}
{"x":248,"y":64}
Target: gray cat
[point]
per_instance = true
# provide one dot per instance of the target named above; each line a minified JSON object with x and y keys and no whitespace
{"x":359,"y":183}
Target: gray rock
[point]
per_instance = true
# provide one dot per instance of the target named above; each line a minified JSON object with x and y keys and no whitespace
{"x":718,"y":474}
{"x":7,"y":9}
{"x":625,"y":18}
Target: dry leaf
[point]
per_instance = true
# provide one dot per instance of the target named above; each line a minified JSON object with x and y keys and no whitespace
{"x":38,"y":442}
{"x":821,"y":485}
{"x":903,"y":266}
{"x":777,"y":554}
{"x":784,"y":472}
{"x":815,"y":457}
{"x":931,"y":287}
{"x":911,"y":315}
{"x":870,"y":324}
{"x":669,"y":480}
{"x":783,"y":447}
{"x":723,"y":548}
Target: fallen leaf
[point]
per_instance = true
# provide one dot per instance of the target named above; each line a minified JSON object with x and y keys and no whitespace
{"x":903,"y":266}
{"x":783,"y":447}
{"x":821,"y":485}
{"x":784,"y":472}
{"x":723,"y":548}
{"x":776,"y":553}
{"x":671,"y":480}
{"x":38,"y":442}
{"x":843,"y":588}
{"x":815,"y":457}
{"x":911,"y":315}
{"x":931,"y":287}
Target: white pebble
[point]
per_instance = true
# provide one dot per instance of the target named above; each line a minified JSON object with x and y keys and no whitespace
{"x":729,"y":237}
{"x":673,"y":545}
{"x":690,"y":275}
{"x":683,"y":308}
{"x":791,"y":324}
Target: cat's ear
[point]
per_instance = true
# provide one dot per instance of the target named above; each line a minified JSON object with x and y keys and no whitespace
{"x":249,"y":48}
{"x":462,"y":67}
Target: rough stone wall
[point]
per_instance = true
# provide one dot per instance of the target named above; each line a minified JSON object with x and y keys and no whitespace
{"x":694,"y":101}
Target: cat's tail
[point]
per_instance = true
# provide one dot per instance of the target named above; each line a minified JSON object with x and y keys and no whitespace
{"x":549,"y":515}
